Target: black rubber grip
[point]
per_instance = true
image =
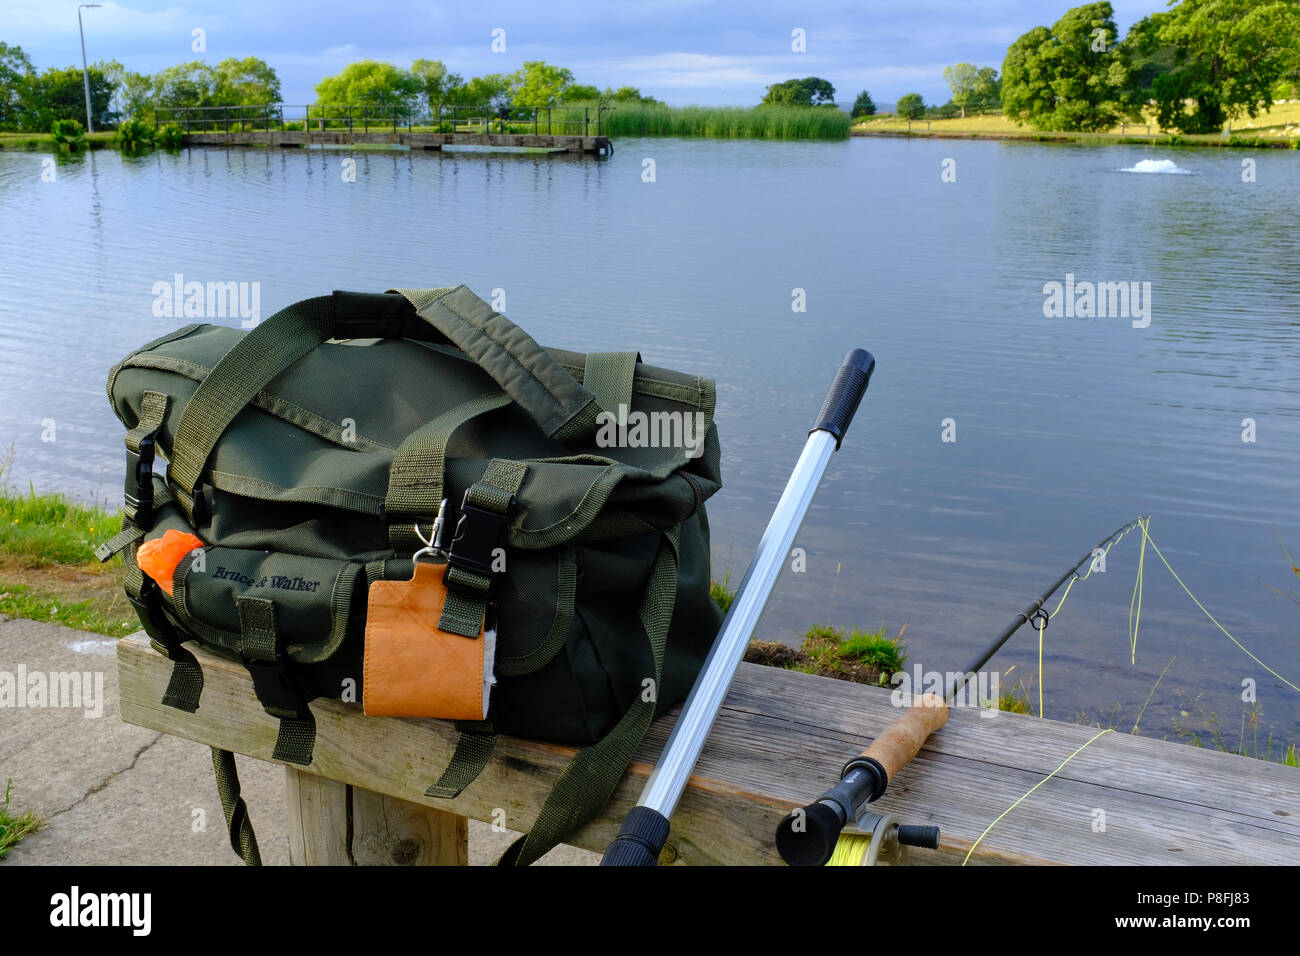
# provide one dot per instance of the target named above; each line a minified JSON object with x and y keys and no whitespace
{"x":846,"y":394}
{"x":807,"y":837}
{"x":640,"y":841}
{"x":927,"y":837}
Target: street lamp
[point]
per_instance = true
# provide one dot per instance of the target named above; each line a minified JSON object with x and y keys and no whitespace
{"x":85,"y":70}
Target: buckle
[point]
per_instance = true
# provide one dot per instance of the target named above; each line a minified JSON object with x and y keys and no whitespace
{"x":148,"y":607}
{"x":138,"y":490}
{"x":277,"y":690}
{"x":478,"y":533}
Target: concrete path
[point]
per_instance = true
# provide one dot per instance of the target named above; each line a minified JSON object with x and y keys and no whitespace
{"x":113,"y":793}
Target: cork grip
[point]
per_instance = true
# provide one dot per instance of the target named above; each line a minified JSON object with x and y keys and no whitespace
{"x":902,"y":739}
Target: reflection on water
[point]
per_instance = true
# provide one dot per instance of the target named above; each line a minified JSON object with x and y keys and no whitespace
{"x":1064,"y":427}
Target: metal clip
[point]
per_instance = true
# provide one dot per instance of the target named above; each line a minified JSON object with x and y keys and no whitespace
{"x":432,"y":544}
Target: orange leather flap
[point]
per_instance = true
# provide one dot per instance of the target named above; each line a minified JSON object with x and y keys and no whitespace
{"x":412,"y":669}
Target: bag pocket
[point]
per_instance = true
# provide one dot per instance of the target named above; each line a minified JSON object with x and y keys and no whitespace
{"x":313,"y":597}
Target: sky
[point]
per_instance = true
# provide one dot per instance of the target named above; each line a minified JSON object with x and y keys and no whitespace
{"x":680,"y":51}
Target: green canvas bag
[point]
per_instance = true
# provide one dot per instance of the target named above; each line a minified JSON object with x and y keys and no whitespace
{"x":312,"y":454}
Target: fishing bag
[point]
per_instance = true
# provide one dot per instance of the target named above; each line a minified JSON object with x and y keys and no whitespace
{"x":309,"y":458}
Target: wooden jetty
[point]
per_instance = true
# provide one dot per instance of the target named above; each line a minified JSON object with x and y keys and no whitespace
{"x":779,"y":742}
{"x":559,"y":129}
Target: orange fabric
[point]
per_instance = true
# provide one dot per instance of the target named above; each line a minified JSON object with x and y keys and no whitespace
{"x":412,"y":669}
{"x":158,"y":558}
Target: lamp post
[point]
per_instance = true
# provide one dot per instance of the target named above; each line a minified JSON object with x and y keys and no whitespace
{"x":85,"y":70}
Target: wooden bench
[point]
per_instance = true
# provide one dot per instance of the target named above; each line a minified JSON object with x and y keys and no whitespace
{"x":778,"y":743}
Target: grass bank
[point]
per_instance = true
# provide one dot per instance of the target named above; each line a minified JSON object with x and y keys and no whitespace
{"x":47,"y":569}
{"x":44,"y":142}
{"x":1279,"y":128}
{"x":727,"y":122}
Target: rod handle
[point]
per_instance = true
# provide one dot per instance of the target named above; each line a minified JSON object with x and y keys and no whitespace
{"x":640,"y":841}
{"x":845,"y":394}
{"x":904,"y":738}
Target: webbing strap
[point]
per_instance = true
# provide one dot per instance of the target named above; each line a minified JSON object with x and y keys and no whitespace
{"x":588,"y":781}
{"x":415,"y":478}
{"x":295,"y":740}
{"x":529,"y":374}
{"x":473,"y":750}
{"x":257,"y":627}
{"x":153,"y":409}
{"x":234,"y":382}
{"x":242,"y":839}
{"x":185,"y":686}
{"x":468,"y":590}
{"x":609,"y":376}
{"x":129,"y":534}
{"x":138,"y":501}
{"x":259,"y":645}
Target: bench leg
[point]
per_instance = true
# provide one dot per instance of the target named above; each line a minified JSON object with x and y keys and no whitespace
{"x":334,"y":824}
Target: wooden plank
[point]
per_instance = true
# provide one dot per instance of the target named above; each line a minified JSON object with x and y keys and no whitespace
{"x":318,"y":819}
{"x":779,"y":741}
{"x":336,"y":824}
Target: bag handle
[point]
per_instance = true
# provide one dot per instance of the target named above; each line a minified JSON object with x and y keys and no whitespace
{"x":530,"y":375}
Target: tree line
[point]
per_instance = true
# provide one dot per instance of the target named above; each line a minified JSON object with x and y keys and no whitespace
{"x":31,"y":101}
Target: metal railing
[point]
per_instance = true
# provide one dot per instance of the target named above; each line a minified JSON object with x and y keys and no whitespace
{"x":366,"y":118}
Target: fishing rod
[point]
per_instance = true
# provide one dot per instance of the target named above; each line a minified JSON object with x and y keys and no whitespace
{"x":813,"y":835}
{"x":1035,"y":611}
{"x":645,"y":830}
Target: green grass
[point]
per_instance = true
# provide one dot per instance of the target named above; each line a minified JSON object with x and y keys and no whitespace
{"x":100,"y":614}
{"x":44,"y":141}
{"x":14,"y":828}
{"x":48,"y":571}
{"x":858,"y":654}
{"x":44,"y":529}
{"x":1276,"y":127}
{"x":722,"y":593}
{"x":757,"y":122}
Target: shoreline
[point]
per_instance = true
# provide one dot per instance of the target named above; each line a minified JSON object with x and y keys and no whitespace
{"x":1090,"y":139}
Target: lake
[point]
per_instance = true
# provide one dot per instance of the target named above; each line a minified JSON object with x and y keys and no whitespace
{"x":1065,"y":427}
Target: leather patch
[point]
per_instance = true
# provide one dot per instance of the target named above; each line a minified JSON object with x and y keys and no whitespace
{"x":412,"y":669}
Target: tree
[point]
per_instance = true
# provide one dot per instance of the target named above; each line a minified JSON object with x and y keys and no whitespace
{"x":491,"y":90}
{"x":988,"y":89}
{"x":538,"y":85}
{"x":133,"y":93}
{"x":16,"y":75}
{"x":580,"y":93}
{"x":961,"y":80}
{"x":371,"y":83}
{"x":910,"y":106}
{"x":246,"y":82}
{"x":439,"y":85}
{"x":1074,"y":76}
{"x":185,"y":84}
{"x":810,"y":91}
{"x":864,"y":105}
{"x":1228,"y":56}
{"x":628,"y":94}
{"x":60,"y":95}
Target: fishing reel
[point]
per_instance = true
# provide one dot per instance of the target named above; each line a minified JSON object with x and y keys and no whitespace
{"x":839,"y":825}
{"x":877,"y":839}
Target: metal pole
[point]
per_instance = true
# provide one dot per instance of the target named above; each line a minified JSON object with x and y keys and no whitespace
{"x":668,"y":780}
{"x":645,"y":831}
{"x":85,"y":70}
